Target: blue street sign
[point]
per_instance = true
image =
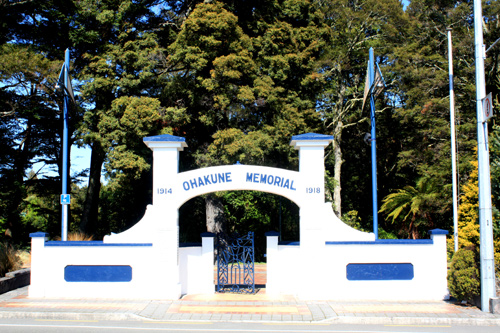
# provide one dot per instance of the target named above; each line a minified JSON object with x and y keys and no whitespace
{"x":65,"y":199}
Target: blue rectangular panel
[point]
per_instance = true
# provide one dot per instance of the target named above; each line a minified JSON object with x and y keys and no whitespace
{"x":370,"y":272}
{"x":89,"y":273}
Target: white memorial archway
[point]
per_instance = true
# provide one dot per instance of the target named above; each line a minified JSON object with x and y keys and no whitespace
{"x":172,"y":189}
{"x":332,"y":261}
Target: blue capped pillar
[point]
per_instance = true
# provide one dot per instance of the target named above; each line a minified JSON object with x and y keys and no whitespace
{"x":165,"y":227}
{"x":166,"y":150}
{"x":311,"y":148}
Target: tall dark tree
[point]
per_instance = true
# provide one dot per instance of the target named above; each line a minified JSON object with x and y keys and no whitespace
{"x":117,"y":57}
{"x":251,"y":77}
{"x":354,"y":27}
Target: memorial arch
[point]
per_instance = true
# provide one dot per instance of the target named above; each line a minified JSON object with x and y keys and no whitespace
{"x":172,"y":189}
{"x":332,"y":260}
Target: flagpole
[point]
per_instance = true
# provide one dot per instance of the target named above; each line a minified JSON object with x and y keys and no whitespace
{"x":64,"y":201}
{"x":453,"y":144}
{"x":371,"y":68}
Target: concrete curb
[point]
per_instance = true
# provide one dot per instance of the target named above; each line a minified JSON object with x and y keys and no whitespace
{"x":72,"y":316}
{"x":15,"y":280}
{"x":430,"y":321}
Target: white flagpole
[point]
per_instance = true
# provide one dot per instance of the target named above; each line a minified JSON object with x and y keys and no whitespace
{"x":453,"y":144}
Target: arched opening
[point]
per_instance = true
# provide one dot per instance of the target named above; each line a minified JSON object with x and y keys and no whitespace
{"x":244,"y":211}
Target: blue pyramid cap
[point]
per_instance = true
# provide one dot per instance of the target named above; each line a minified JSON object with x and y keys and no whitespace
{"x":310,"y":137}
{"x":164,"y":138}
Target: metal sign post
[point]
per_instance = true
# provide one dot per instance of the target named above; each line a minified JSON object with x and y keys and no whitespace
{"x":485,"y":210}
{"x":65,"y":197}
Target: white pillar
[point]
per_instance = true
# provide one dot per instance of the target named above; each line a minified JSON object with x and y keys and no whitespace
{"x":38,"y":269}
{"x":207,"y":263}
{"x":311,"y":148}
{"x":166,"y":150}
{"x":165,"y":169}
{"x":438,"y":237}
{"x":272,"y":262}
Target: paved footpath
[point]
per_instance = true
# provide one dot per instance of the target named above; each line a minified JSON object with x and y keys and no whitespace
{"x":236,"y":307}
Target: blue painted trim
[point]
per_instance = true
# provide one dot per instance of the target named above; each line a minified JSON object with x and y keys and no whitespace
{"x":39,"y":234}
{"x":94,"y":243}
{"x":384,"y":242}
{"x":379,"y":272}
{"x":272,"y":234}
{"x":311,"y":136}
{"x":438,"y":232}
{"x":164,"y":138}
{"x":98,"y":273}
{"x":189,"y":244}
{"x":289,"y":243}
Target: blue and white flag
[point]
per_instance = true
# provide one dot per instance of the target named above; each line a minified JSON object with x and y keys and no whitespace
{"x":68,"y":88}
{"x":377,"y":86}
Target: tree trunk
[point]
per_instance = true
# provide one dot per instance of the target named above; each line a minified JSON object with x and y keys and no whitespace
{"x":216,"y":221}
{"x":91,"y":206}
{"x":337,"y":168}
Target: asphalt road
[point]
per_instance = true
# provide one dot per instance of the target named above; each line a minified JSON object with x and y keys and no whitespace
{"x":39,"y":325}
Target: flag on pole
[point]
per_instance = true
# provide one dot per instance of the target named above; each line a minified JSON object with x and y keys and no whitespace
{"x":377,"y":86}
{"x":68,"y":88}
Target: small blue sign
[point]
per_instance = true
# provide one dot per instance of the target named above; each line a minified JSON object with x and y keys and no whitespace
{"x":65,"y":199}
{"x":371,"y":272}
{"x":95,"y":273}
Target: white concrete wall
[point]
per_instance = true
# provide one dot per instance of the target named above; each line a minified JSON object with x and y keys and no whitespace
{"x":148,"y":278}
{"x":49,"y":262}
{"x":314,"y":270}
{"x":196,"y":268}
{"x":329,"y":280}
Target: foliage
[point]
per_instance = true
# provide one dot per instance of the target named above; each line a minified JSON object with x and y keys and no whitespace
{"x":9,"y":259}
{"x":246,"y":211}
{"x":27,"y":119}
{"x":416,"y":203}
{"x":237,"y":79}
{"x":77,"y":236}
{"x":120,"y":89}
{"x":468,"y":211}
{"x":232,"y":145}
{"x":353,"y":27}
{"x":236,"y":76}
{"x":463,"y":276}
{"x":353,"y":220}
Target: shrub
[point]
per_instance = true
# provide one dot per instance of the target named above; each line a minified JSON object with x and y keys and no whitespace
{"x":77,"y":236}
{"x":9,"y":259}
{"x":463,"y":276}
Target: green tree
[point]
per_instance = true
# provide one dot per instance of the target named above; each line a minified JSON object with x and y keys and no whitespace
{"x":413,"y":206}
{"x":118,"y":51}
{"x":468,"y":211}
{"x":353,"y":27}
{"x":34,"y":34}
{"x":463,"y":277}
{"x":421,"y":86}
{"x":248,"y":82}
{"x":28,"y":118}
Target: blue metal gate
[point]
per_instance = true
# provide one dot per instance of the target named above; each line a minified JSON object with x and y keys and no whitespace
{"x":235,"y":263}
